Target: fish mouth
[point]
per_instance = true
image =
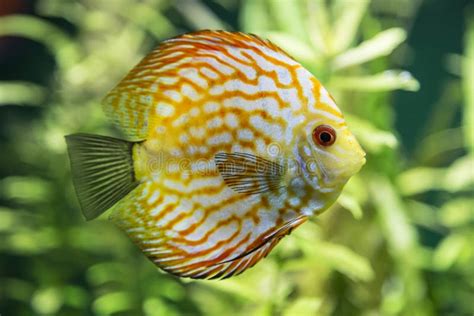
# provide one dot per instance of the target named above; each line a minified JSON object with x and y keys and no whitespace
{"x":330,"y":178}
{"x":353,"y":167}
{"x":363,"y":160}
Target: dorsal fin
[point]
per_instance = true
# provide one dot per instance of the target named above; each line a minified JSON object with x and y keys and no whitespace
{"x":135,"y":103}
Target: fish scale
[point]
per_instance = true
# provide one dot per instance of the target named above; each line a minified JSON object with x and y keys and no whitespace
{"x":211,"y":93}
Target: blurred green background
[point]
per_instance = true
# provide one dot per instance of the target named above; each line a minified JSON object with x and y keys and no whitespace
{"x":398,"y":242}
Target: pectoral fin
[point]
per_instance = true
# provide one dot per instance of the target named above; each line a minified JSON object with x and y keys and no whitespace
{"x":250,"y":174}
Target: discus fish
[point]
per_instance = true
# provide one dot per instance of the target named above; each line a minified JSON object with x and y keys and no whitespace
{"x":231,"y":144}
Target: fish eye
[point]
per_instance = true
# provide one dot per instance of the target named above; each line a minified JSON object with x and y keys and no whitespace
{"x":324,"y":135}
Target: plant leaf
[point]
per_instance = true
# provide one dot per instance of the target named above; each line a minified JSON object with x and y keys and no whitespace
{"x":370,"y":137}
{"x":345,"y":261}
{"x":21,"y":93}
{"x":421,"y":179}
{"x":254,"y":16}
{"x":318,"y":22}
{"x":380,"y":45}
{"x":448,"y":251}
{"x":401,"y":236}
{"x":468,"y":84}
{"x":288,"y":16}
{"x":296,"y":47}
{"x":113,"y":302}
{"x":457,"y":212}
{"x":47,"y":300}
{"x":336,"y":256}
{"x":41,"y":31}
{"x":386,"y":81}
{"x":25,"y":189}
{"x":349,"y":15}
{"x":348,"y":202}
{"x":303,"y":306}
{"x":460,"y":175}
{"x":150,"y":19}
{"x":199,"y":16}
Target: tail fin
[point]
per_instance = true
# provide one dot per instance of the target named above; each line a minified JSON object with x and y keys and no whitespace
{"x":102,"y":171}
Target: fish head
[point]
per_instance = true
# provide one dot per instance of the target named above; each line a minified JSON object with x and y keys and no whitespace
{"x":330,"y":154}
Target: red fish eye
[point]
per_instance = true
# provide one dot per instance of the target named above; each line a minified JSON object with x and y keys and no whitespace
{"x":324,"y":135}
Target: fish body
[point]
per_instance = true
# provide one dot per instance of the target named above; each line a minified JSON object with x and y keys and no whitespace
{"x":232,"y":145}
